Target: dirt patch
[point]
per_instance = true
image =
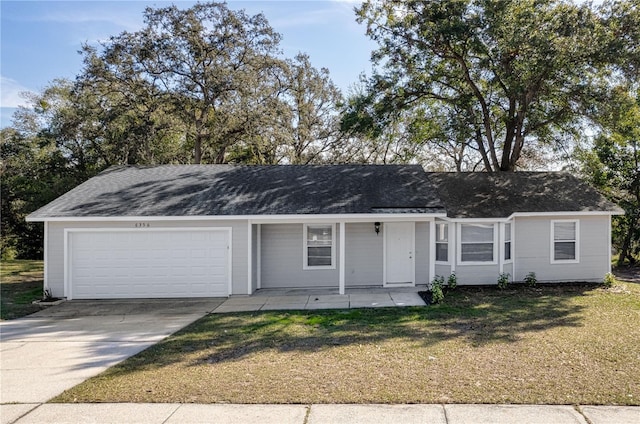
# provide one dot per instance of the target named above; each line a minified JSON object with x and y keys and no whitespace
{"x":628,"y":273}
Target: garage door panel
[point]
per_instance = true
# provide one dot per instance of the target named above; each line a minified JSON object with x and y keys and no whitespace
{"x":138,"y":264}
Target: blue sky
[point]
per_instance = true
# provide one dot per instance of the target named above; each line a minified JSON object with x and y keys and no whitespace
{"x":40,"y":39}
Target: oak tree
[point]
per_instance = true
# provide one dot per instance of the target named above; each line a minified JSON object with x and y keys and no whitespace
{"x":503,"y":76}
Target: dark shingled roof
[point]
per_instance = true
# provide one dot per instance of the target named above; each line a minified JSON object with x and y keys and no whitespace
{"x":498,"y":195}
{"x":205,"y":190}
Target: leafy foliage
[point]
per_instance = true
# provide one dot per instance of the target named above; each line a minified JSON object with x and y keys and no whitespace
{"x":437,"y":294}
{"x":503,"y":280}
{"x":613,"y":165}
{"x":609,"y":280}
{"x":33,"y":172}
{"x":530,"y":279}
{"x":452,"y":281}
{"x":205,"y":84}
{"x":497,"y":81}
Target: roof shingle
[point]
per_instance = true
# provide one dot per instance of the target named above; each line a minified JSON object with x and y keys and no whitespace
{"x":210,"y":190}
{"x":207,"y":190}
{"x":498,"y":195}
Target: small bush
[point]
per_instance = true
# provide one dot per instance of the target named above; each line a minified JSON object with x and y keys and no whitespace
{"x":530,"y":280}
{"x":437,"y":295}
{"x":503,"y":280}
{"x":9,"y":253}
{"x":609,"y":280}
{"x":438,"y":280}
{"x":452,"y":281}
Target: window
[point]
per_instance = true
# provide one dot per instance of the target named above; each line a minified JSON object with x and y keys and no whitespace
{"x":318,"y":246}
{"x":507,"y":241}
{"x":442,"y":242}
{"x":564,"y":239}
{"x":476,"y":242}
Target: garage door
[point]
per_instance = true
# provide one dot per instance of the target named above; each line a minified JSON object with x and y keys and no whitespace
{"x":148,"y":264}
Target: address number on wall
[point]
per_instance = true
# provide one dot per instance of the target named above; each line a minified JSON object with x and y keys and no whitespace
{"x":142,"y":225}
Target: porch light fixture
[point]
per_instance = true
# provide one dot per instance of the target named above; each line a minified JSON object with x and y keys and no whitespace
{"x":376,"y":226}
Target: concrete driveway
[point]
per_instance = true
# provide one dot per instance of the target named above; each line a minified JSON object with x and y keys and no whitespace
{"x":52,"y":350}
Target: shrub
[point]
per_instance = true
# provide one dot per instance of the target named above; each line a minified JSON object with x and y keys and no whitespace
{"x":438,"y":280}
{"x":609,"y":280}
{"x":452,"y":281}
{"x":530,"y":280}
{"x":503,"y":280}
{"x":9,"y":253}
{"x":437,"y":295}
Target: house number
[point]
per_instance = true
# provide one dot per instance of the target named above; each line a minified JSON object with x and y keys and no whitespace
{"x":142,"y":225}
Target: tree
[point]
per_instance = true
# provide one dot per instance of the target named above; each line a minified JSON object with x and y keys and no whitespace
{"x":130,"y":120}
{"x":310,"y":129}
{"x":502,"y":77}
{"x":205,"y":84}
{"x":56,"y":122}
{"x":613,"y":165}
{"x":205,"y":62}
{"x":33,"y":172}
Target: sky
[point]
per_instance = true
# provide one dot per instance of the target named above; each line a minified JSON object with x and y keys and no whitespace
{"x":39,"y":40}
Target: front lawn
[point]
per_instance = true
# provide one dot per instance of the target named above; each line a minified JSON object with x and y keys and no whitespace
{"x":20,"y":284}
{"x":558,"y":345}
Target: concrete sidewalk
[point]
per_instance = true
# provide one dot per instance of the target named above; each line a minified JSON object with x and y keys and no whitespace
{"x":319,"y":301}
{"x":316,"y":414}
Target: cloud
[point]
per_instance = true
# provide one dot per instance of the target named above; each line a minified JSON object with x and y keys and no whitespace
{"x":122,"y":14}
{"x":323,"y":13}
{"x":128,"y":21}
{"x":11,"y":93}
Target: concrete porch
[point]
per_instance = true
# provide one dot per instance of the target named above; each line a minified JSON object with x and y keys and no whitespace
{"x":329,"y":298}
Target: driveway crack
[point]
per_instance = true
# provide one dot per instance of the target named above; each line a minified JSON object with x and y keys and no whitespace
{"x":173,"y":413}
{"x":579,"y":410}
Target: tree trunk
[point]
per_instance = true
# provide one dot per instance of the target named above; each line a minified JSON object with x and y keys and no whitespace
{"x":197,"y":149}
{"x":625,"y":250}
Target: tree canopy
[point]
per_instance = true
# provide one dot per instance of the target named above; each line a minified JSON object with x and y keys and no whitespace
{"x":501,"y":77}
{"x":613,"y":166}
{"x":205,"y":84}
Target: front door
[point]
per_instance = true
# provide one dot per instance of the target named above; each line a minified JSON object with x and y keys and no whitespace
{"x":399,"y":245}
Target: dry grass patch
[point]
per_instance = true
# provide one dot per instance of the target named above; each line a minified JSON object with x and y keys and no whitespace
{"x":556,"y":345}
{"x":20,"y":284}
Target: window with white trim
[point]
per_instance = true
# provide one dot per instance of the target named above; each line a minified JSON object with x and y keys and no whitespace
{"x":442,"y":242}
{"x":319,"y":246}
{"x":477,"y":242}
{"x":507,"y":241}
{"x":564,"y":240}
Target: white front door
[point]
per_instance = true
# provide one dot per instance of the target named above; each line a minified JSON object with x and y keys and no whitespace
{"x":399,"y":247}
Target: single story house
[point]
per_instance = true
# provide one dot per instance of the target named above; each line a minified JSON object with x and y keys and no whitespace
{"x":222,"y":230}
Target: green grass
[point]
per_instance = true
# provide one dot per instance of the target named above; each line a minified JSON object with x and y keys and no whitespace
{"x":575,"y":344}
{"x":20,"y":284}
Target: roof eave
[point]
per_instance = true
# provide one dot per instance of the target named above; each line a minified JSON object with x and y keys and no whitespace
{"x":536,"y":214}
{"x":363,"y":217}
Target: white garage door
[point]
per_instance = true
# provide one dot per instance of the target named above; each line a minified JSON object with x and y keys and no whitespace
{"x":148,"y":264}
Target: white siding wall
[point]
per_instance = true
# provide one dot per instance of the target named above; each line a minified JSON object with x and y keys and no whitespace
{"x":55,"y":248}
{"x":477,"y":274}
{"x":443,"y":270}
{"x":508,"y":268}
{"x":533,"y":250}
{"x":364,"y":255}
{"x":282,"y":252}
{"x":422,"y":253}
{"x":282,"y":257}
